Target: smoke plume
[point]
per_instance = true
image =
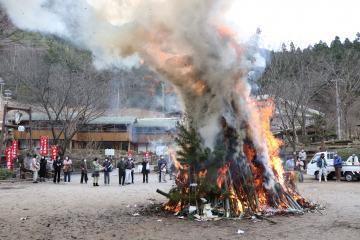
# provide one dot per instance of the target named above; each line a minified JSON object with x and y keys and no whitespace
{"x":188,"y":42}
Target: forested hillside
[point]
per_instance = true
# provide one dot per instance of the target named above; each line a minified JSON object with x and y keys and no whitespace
{"x":324,"y":77}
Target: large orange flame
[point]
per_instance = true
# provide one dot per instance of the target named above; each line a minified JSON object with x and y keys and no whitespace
{"x":222,"y":175}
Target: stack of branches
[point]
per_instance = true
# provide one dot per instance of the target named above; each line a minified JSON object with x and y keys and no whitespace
{"x":221,"y":177}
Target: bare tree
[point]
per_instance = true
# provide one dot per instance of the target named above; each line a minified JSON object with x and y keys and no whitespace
{"x":64,"y":85}
{"x":292,"y":82}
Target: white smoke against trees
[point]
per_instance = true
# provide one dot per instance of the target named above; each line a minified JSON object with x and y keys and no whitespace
{"x":184,"y":41}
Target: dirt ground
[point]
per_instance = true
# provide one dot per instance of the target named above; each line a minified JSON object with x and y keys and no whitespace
{"x":75,"y":211}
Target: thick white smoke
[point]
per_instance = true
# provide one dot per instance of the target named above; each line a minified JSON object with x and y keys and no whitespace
{"x":185,"y":41}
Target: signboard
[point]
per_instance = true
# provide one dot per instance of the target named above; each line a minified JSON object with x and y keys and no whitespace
{"x":9,"y":157}
{"x":44,"y":145}
{"x":161,"y":150}
{"x":110,"y":152}
{"x":54,"y":152}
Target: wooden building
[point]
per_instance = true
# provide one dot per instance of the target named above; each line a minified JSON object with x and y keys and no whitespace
{"x":116,"y":132}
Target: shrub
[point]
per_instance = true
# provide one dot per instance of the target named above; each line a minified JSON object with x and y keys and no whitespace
{"x":5,"y":173}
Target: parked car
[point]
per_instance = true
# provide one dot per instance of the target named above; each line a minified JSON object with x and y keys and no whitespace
{"x":348,"y":171}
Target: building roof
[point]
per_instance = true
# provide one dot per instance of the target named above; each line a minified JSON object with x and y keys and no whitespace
{"x":113,"y":120}
{"x":168,"y":123}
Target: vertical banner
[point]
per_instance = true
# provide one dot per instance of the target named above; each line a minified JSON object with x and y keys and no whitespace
{"x":9,"y":157}
{"x":44,"y":145}
{"x":41,"y":145}
{"x":14,"y":148}
{"x":54,"y":152}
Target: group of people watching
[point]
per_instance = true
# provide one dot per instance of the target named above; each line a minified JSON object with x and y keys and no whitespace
{"x":39,"y":168}
{"x":337,"y":162}
{"x":126,"y":169}
{"x":296,"y":167}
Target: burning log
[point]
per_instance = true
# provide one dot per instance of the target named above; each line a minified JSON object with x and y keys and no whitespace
{"x":163,"y":193}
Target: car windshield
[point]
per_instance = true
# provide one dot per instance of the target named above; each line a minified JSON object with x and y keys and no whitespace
{"x":330,"y":156}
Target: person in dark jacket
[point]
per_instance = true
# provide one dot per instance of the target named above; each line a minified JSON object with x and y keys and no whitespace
{"x":145,"y":170}
{"x":57,"y":165}
{"x":42,"y":171}
{"x":83,"y":167}
{"x":107,"y":169}
{"x":121,"y":167}
{"x":337,"y":166}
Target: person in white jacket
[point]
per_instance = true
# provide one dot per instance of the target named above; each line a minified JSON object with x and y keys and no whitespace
{"x":35,"y":166}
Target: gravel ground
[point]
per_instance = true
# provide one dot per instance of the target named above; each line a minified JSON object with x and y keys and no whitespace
{"x":79,"y":211}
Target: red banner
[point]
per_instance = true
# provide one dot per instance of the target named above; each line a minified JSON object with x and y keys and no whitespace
{"x":44,"y":145}
{"x":9,"y":157}
{"x":41,"y":145}
{"x":54,"y":152}
{"x":14,"y":148}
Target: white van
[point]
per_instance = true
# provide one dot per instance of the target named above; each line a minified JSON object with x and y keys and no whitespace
{"x":350,"y":172}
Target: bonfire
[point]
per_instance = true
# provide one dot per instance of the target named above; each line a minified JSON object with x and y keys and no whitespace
{"x":230,"y":180}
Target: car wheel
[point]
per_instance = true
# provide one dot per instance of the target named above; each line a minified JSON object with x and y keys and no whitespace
{"x":349,"y":177}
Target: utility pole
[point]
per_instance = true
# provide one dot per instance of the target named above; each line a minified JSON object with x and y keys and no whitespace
{"x":118,"y":98}
{"x":338,"y":110}
{"x":163,"y":97}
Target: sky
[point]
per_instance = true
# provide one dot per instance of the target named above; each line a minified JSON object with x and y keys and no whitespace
{"x":303,"y":22}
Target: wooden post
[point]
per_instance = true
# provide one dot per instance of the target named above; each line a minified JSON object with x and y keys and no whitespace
{"x":3,"y":129}
{"x":30,"y":128}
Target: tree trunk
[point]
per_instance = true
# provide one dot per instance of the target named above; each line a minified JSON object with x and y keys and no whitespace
{"x":346,"y":122}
